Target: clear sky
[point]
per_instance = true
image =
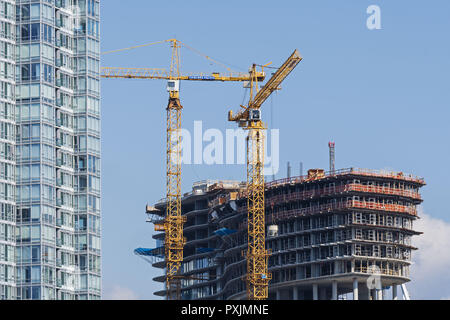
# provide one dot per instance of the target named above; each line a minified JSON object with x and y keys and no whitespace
{"x":382,"y":95}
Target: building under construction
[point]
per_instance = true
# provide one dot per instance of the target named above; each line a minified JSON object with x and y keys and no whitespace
{"x":329,"y":234}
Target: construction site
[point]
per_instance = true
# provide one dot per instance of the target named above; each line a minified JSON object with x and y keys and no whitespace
{"x":327,"y":233}
{"x":318,"y":236}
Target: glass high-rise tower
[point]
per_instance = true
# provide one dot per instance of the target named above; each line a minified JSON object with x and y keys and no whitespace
{"x":49,"y":150}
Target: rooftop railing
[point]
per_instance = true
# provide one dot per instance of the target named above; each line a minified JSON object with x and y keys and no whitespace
{"x":347,"y":171}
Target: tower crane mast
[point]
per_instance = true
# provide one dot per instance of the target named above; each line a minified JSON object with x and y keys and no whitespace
{"x":249,"y":118}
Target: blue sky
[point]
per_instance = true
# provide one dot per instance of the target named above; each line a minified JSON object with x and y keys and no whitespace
{"x":382,"y":95}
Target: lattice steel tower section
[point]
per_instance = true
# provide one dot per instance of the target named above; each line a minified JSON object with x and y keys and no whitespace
{"x":332,"y":157}
{"x":174,"y":240}
{"x":249,"y":118}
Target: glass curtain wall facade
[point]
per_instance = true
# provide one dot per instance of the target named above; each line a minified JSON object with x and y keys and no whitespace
{"x":55,"y":147}
{"x":7,"y":151}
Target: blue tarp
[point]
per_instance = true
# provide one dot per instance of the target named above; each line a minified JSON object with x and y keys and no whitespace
{"x":224,"y":232}
{"x":155,"y":252}
{"x":204,"y":250}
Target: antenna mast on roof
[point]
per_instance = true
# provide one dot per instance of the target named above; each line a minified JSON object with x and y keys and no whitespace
{"x":332,"y":157}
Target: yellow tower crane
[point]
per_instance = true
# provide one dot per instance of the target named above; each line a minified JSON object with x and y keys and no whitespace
{"x":249,"y":118}
{"x":173,"y":223}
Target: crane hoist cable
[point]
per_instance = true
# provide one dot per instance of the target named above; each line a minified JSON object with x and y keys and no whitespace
{"x":198,"y":52}
{"x":135,"y":47}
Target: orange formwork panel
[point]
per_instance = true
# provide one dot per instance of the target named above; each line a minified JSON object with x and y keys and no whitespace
{"x":304,"y":195}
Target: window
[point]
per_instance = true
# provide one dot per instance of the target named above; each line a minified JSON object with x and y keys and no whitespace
{"x":81,"y":123}
{"x":36,"y":292}
{"x":47,"y":13}
{"x":80,"y":45}
{"x":94,"y":202}
{"x":34,"y":11}
{"x":80,"y":104}
{"x":35,"y":213}
{"x":94,"y":184}
{"x":93,"y":164}
{"x":35,"y":192}
{"x":93,"y":105}
{"x":94,"y":144}
{"x":93,"y":8}
{"x":48,"y":33}
{"x":93,"y":85}
{"x":48,"y":52}
{"x":29,"y":91}
{"x":30,"y":31}
{"x":48,"y":73}
{"x":48,"y":92}
{"x":94,"y":243}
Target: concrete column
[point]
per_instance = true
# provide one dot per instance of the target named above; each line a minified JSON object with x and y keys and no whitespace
{"x":334,"y":290}
{"x":355,"y":289}
{"x":301,"y":295}
{"x":294,"y":293}
{"x":379,"y":293}
{"x":315,"y":291}
{"x":277,"y":295}
{"x":323,"y":294}
{"x":394,"y":292}
{"x":375,"y":294}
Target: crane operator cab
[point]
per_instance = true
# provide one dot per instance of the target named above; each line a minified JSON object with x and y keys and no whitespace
{"x":254,"y":114}
{"x":173,"y":85}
